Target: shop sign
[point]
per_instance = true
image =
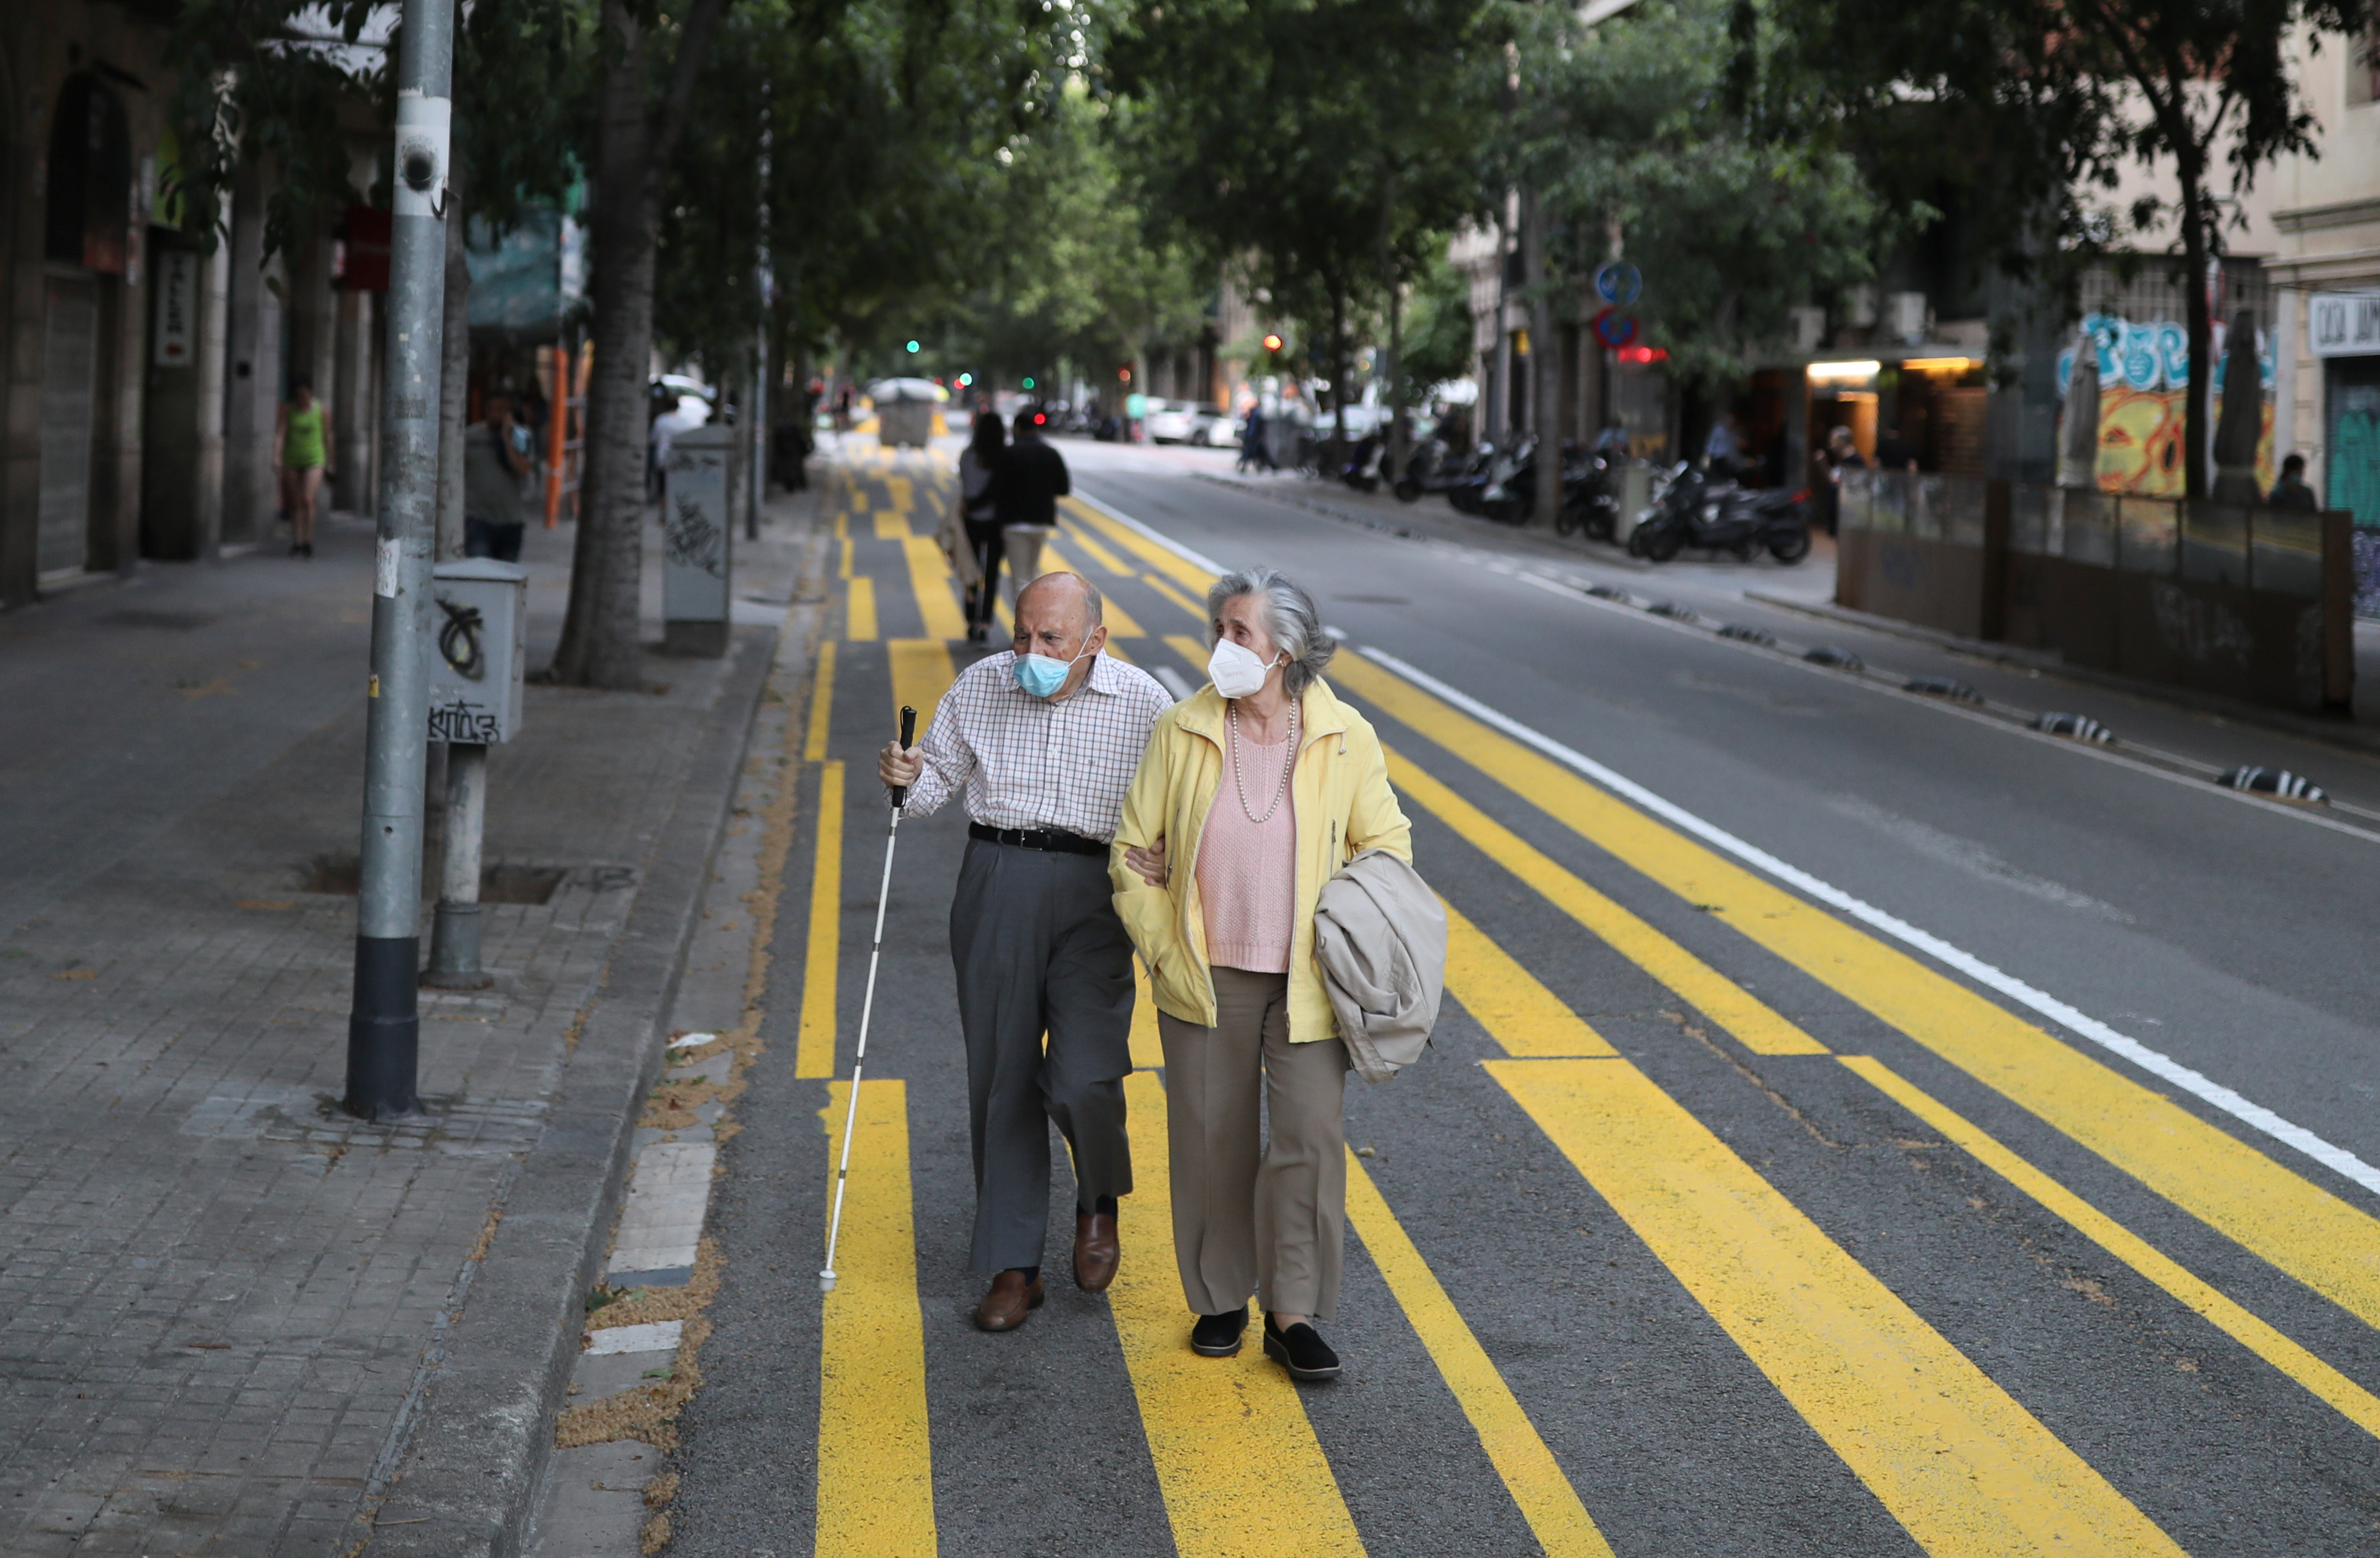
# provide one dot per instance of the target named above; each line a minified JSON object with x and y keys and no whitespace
{"x":2344,"y":323}
{"x":178,"y":308}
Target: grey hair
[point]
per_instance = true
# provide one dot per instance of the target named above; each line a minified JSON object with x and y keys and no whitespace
{"x":1291,"y":620}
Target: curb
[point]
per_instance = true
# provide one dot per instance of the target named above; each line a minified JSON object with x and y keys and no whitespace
{"x":468,"y":1479}
{"x":2346,"y":735}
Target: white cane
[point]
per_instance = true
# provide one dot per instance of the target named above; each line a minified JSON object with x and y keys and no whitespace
{"x":866,"y":1008}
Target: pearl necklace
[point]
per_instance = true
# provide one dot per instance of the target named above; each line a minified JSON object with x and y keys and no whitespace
{"x":1287,"y":767}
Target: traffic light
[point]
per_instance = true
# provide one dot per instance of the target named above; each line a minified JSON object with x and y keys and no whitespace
{"x":1274,"y":343}
{"x":1028,"y":384}
{"x":912,"y":346}
{"x":965,"y":379}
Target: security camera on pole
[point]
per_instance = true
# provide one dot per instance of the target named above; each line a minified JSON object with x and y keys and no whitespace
{"x":384,"y":1026}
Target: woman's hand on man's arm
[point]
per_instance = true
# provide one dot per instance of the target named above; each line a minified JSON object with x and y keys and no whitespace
{"x":1148,"y":863}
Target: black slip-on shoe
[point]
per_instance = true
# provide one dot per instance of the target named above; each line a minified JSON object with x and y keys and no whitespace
{"x":1301,"y":1350}
{"x":1219,"y":1335}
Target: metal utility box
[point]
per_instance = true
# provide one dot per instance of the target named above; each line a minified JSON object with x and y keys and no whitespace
{"x":696,"y":551}
{"x":476,"y":650}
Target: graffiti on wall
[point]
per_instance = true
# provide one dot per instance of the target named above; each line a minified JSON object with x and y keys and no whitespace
{"x":2143,"y":390}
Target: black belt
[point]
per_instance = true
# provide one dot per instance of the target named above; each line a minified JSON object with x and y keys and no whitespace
{"x":1056,"y":841}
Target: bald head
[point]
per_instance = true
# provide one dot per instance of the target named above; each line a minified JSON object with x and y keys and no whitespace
{"x":1068,"y":594}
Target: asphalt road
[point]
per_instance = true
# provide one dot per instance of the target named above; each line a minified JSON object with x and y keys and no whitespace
{"x":1857,"y":1125}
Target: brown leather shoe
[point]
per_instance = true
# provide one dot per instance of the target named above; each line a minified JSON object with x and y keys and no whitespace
{"x":1094,"y":1250}
{"x":1009,"y":1301}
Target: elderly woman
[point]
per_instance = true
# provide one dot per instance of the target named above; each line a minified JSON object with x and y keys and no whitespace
{"x":1252,"y":794}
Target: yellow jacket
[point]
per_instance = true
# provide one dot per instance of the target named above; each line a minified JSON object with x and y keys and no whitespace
{"x":1341,"y":790}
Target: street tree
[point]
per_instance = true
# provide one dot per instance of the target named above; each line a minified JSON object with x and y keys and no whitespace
{"x":2050,"y":101}
{"x":1325,"y":146}
{"x":1636,"y":143}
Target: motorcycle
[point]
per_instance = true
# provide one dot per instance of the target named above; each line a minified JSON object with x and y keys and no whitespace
{"x":1365,"y":463}
{"x":1590,"y":497}
{"x":1689,"y":509}
{"x":1432,"y":466}
{"x":1509,"y":491}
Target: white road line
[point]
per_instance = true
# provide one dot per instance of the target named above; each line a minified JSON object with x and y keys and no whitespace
{"x":2155,"y":1062}
{"x":1174,"y":682}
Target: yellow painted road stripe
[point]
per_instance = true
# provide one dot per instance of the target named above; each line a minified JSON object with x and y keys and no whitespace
{"x":1965,"y":1469}
{"x":1548,"y":1501}
{"x":859,"y":618}
{"x":814,"y":1056}
{"x":1081,"y":537}
{"x":1192,"y":651}
{"x":1148,"y":1050}
{"x":2284,"y":1219}
{"x":1241,"y":1473}
{"x":1506,"y":1000}
{"x":891,"y":526}
{"x":822,"y":703}
{"x":921,"y":673}
{"x":875,"y":1459}
{"x":1196,"y":607}
{"x":929,"y":576}
{"x":901,"y":495}
{"x":1119,"y":621}
{"x":2358,"y":1405}
{"x":1719,"y":998}
{"x":1178,"y":568}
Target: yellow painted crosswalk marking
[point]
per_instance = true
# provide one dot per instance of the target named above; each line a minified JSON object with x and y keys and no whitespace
{"x":1179,"y":570}
{"x":1238,"y":1463}
{"x":859,"y":616}
{"x":1526,"y":1017}
{"x":2285,"y":1219}
{"x":929,"y":576}
{"x":1560,"y":1522}
{"x":2352,"y":1400}
{"x":1189,"y":649}
{"x":1968,"y":1471}
{"x":814,"y":1054}
{"x":1194,"y":606}
{"x":1720,"y":998}
{"x":1119,"y":621}
{"x":1080,"y":536}
{"x":822,"y":703}
{"x":875,"y":1458}
{"x":921,"y":673}
{"x":891,"y":526}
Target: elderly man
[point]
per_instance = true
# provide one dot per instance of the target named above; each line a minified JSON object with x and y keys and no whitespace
{"x":1045,"y":740}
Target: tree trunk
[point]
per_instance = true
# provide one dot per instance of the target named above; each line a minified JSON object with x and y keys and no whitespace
{"x":1400,"y":428}
{"x":2196,"y":426}
{"x":1337,"y":459}
{"x":601,"y":638}
{"x":454,"y":374}
{"x":1545,"y":361}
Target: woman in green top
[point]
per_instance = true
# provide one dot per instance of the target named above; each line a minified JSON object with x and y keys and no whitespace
{"x":301,"y":460}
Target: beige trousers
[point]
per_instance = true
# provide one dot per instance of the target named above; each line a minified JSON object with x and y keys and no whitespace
{"x":1252,"y":1213}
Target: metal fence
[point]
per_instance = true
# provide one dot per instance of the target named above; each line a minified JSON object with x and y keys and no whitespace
{"x":2277,"y":549}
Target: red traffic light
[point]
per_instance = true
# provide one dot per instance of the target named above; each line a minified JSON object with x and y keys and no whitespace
{"x":1272,"y":343}
{"x":1038,"y":418}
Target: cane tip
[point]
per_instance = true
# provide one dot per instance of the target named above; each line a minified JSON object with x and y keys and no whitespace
{"x":826,"y":1282}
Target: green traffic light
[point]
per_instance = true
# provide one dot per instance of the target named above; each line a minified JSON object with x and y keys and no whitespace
{"x":912,"y":346}
{"x":1028,"y":384}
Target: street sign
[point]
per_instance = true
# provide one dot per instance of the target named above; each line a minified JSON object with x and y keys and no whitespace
{"x":1618,"y":283}
{"x":1613,"y":328}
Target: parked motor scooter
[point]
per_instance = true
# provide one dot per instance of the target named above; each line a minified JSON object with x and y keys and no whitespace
{"x":1511,"y":492}
{"x":1590,"y":497}
{"x":1689,"y":509}
{"x":1364,"y":465}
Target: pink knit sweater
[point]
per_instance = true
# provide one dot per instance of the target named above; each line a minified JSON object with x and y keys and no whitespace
{"x":1247,"y":872}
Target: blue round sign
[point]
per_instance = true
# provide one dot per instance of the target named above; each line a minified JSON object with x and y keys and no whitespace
{"x":1618,"y":283}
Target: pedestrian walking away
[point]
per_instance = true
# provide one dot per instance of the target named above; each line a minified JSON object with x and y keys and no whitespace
{"x":1024,"y":489}
{"x":493,"y":465}
{"x":1254,"y":792}
{"x":979,"y":519}
{"x":301,"y":462}
{"x":1043,"y":740}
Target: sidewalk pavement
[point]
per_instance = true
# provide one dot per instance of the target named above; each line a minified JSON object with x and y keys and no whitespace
{"x":231,"y":1314}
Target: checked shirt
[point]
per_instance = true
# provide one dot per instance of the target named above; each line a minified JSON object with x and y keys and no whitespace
{"x":1038,"y":762}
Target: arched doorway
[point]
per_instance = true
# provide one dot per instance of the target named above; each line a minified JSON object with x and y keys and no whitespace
{"x":87,"y":235}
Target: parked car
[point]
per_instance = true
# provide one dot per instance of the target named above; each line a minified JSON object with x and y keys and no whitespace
{"x":1170,"y":422}
{"x":1217,"y":429}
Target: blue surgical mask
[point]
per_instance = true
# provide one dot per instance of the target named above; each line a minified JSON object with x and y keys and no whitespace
{"x":1042,"y":676}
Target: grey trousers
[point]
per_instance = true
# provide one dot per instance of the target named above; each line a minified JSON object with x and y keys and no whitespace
{"x":1269,"y":1217}
{"x":1039,"y":949}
